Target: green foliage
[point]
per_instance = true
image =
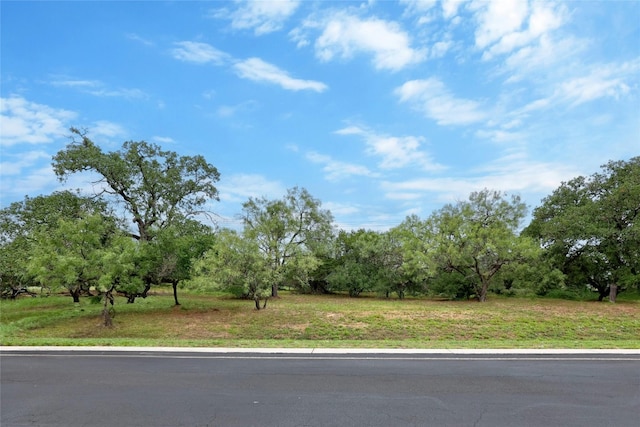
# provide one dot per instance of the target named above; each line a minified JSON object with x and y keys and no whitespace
{"x":70,"y":255}
{"x":21,"y":220}
{"x":370,"y":261}
{"x":156,"y":187}
{"x":589,"y":228}
{"x":159,"y":191}
{"x":354,"y":272}
{"x":169,"y":256}
{"x":236,"y":264}
{"x":472,"y":239}
{"x":286,"y":232}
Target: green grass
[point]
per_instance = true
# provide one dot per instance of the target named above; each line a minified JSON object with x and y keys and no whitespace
{"x":324,"y":321}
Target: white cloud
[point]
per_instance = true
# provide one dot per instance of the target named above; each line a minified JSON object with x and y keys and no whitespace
{"x":137,"y":38}
{"x":258,"y":70}
{"x":422,"y":8}
{"x":434,"y":100}
{"x":513,"y":174}
{"x":543,"y":19}
{"x":163,"y":139}
{"x":76,"y":83}
{"x":395,"y":151}
{"x":238,"y":188}
{"x":344,"y":35}
{"x":199,"y":53}
{"x":19,"y":162}
{"x":262,"y":16}
{"x":25,"y":122}
{"x":97,"y":88}
{"x":543,"y":59}
{"x":341,"y":208}
{"x":335,"y":170}
{"x":611,"y":80}
{"x":450,"y":8}
{"x":524,"y":32}
{"x":499,"y":18}
{"x":427,"y":11}
{"x":105,"y":128}
{"x":31,"y":183}
{"x":226,"y":111}
{"x":418,"y":6}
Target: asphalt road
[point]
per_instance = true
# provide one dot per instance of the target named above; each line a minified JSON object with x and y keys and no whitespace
{"x":157,"y":388}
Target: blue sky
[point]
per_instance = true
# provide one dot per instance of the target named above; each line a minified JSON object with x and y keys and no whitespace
{"x":379,"y":109}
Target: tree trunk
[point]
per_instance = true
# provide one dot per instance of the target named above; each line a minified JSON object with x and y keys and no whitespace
{"x":147,"y":286}
{"x":613,"y":292}
{"x":75,"y":294}
{"x":274,"y":290}
{"x":106,"y":316}
{"x":257,"y":301}
{"x":175,"y":291}
{"x":483,"y":292}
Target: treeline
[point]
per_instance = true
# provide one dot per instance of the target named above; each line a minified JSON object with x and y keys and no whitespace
{"x":139,"y":230}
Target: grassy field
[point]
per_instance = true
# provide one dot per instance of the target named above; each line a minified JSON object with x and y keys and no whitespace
{"x":324,"y":321}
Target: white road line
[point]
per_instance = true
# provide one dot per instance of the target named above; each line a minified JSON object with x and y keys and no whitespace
{"x":319,"y":351}
{"x":382,"y":357}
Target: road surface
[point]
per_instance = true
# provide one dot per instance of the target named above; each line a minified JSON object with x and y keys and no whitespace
{"x":311,"y":388}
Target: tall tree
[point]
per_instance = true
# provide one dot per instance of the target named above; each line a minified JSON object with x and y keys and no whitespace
{"x":416,"y":240}
{"x":156,"y":187}
{"x":476,"y":238}
{"x":590,"y":228}
{"x":285,"y":229}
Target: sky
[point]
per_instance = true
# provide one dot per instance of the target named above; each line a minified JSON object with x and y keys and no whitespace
{"x":380,"y":109}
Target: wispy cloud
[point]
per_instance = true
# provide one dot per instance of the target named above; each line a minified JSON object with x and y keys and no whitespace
{"x":433,"y":99}
{"x":163,"y":139}
{"x":258,"y":70}
{"x":14,"y":164}
{"x":336,"y":170}
{"x":239,"y":187}
{"x":137,"y":38}
{"x":426,"y":9}
{"x":261,"y":16}
{"x":198,"y":53}
{"x":510,"y":174}
{"x":600,"y":81}
{"x":32,"y":182}
{"x":254,"y":69}
{"x":344,"y":35}
{"x":506,"y":26}
{"x":106,"y":129}
{"x":25,"y":122}
{"x":395,"y":151}
{"x":97,"y":88}
{"x":226,"y":111}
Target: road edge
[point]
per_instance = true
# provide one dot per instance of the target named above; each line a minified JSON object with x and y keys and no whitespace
{"x":231,"y":350}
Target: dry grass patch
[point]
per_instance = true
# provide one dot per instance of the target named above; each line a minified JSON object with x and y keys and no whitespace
{"x":334,"y":321}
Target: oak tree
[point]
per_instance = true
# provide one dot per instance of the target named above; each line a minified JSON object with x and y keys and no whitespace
{"x":157,"y":188}
{"x":590,"y":228}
